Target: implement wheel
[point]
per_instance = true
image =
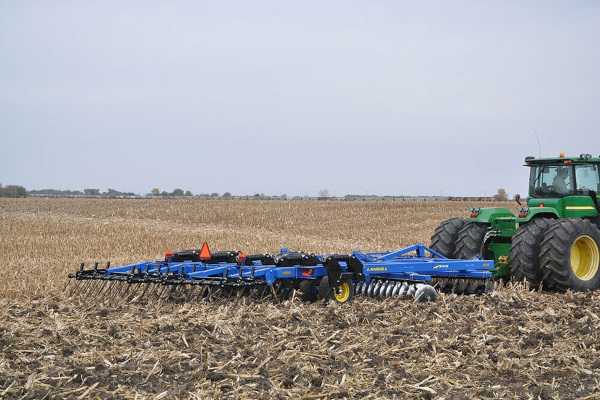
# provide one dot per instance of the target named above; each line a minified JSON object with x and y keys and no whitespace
{"x":570,"y":256}
{"x":445,"y":236}
{"x":341,"y":294}
{"x":306,"y":290}
{"x":525,"y":252}
{"x":470,"y":239}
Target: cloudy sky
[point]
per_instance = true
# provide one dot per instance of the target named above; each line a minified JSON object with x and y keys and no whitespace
{"x":363,"y":97}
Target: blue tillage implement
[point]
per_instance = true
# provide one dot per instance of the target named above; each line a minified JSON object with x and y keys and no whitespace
{"x":186,"y":275}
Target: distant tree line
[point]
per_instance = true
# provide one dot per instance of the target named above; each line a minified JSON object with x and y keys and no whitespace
{"x":16,"y":191}
{"x":86,"y":192}
{"x":176,"y":192}
{"x":13,"y":191}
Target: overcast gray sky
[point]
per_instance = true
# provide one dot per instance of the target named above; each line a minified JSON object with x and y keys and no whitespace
{"x":356,"y":97}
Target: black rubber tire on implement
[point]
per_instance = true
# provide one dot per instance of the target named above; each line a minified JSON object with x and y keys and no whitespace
{"x":470,"y":239}
{"x":570,"y":256}
{"x":525,"y":252}
{"x":305,"y":289}
{"x":444,"y":238}
{"x":342,"y":294}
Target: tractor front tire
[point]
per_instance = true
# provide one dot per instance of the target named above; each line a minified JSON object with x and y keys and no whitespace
{"x":470,"y":239}
{"x":525,"y":252}
{"x":570,"y":256}
{"x":445,"y":236}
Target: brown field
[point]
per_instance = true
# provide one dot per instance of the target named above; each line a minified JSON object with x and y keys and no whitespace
{"x":511,"y":344}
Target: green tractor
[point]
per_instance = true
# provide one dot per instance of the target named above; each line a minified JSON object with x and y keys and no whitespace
{"x":553,"y":242}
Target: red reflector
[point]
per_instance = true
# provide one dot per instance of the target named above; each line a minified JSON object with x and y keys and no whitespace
{"x":205,"y":252}
{"x":522,"y":215}
{"x":542,"y":205}
{"x":473,"y":215}
{"x":168,"y":256}
{"x":308,"y":272}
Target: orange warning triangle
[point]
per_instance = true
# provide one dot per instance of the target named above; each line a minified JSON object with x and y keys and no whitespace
{"x":205,"y":252}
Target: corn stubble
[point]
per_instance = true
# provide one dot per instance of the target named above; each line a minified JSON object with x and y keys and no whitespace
{"x":515,"y":343}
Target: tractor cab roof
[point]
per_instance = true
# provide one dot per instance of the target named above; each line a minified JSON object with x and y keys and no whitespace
{"x":562,"y":159}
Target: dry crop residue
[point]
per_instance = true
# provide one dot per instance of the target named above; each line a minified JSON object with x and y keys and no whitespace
{"x":512,"y":344}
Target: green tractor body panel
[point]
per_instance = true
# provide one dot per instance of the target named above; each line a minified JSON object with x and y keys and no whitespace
{"x":487,"y":215}
{"x":562,"y":187}
{"x":566,"y":207}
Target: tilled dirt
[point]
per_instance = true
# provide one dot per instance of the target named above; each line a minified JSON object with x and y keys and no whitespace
{"x":511,"y":344}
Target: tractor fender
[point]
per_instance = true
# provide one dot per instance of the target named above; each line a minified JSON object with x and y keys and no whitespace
{"x":539,"y":212}
{"x":487,"y":215}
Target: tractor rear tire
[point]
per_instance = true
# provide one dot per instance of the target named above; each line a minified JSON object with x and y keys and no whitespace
{"x":470,"y":239}
{"x":570,"y":256}
{"x":525,"y":252}
{"x":445,"y":236}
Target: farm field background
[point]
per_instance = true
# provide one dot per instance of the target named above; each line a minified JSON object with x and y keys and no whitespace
{"x":512,"y":344}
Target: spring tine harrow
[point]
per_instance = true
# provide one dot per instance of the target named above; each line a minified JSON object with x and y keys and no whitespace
{"x":231,"y":276}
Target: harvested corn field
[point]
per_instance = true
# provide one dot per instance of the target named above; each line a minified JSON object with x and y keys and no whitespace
{"x":512,"y":344}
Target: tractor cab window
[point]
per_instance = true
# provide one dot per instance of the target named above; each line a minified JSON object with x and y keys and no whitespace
{"x":587,"y":178}
{"x":548,"y":181}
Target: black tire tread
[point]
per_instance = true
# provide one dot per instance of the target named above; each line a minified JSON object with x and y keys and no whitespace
{"x":445,"y":235}
{"x":525,"y":252}
{"x":555,"y":255}
{"x":305,"y":289}
{"x":470,"y":239}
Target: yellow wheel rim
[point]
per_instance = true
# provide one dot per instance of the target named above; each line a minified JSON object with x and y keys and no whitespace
{"x":585,"y":258}
{"x":342,"y":293}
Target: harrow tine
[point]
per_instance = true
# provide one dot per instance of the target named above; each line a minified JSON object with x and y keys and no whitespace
{"x":124,"y":294}
{"x":262,"y":294}
{"x":89,"y":285}
{"x":110,"y":287}
{"x":161,"y":293}
{"x":75,"y":288}
{"x":239,"y":296}
{"x":100,"y":288}
{"x":113,"y":289}
{"x":229,"y":294}
{"x":208,"y":295}
{"x":170,"y":294}
{"x":153,"y":290}
{"x":141,"y":296}
{"x":190,"y":293}
{"x":123,"y":285}
{"x":179,"y":292}
{"x":217,"y":296}
{"x":132,"y":295}
{"x":200,"y":293}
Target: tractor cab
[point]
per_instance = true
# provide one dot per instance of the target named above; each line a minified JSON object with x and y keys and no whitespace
{"x":552,"y":179}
